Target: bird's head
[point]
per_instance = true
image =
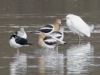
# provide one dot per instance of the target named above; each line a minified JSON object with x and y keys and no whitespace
{"x":58,"y":21}
{"x":41,"y":36}
{"x":13,"y":36}
{"x":22,"y":29}
{"x":69,"y":16}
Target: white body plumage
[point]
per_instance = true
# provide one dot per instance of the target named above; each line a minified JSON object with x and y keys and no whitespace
{"x":13,"y":43}
{"x":21,"y":33}
{"x":58,"y":34}
{"x":49,"y":46}
{"x":78,"y":26}
{"x":48,"y":42}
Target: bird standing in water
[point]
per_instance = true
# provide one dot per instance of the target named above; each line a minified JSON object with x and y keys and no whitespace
{"x":48,"y":29}
{"x":78,"y":26}
{"x":18,"y":39}
{"x":48,"y":42}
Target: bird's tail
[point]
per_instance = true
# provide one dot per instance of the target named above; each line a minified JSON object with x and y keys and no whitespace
{"x":61,"y":42}
{"x":91,"y":28}
{"x":28,"y":44}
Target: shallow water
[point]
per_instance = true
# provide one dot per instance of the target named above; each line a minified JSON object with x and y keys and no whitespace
{"x":72,"y":58}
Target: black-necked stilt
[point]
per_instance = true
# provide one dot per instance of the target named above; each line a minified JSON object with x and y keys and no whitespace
{"x":17,"y":42}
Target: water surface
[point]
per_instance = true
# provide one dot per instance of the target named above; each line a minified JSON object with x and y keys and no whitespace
{"x":72,"y":58}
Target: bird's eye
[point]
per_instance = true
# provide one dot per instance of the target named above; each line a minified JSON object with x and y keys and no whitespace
{"x":59,"y":21}
{"x":67,"y":18}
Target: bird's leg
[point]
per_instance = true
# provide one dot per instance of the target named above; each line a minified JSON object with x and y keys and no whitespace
{"x":79,"y":40}
{"x":18,"y":53}
{"x":56,"y":49}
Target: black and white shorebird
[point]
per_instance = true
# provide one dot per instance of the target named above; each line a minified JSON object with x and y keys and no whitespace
{"x":48,"y":42}
{"x":58,"y":34}
{"x":48,"y":29}
{"x":17,"y":42}
{"x":21,"y":33}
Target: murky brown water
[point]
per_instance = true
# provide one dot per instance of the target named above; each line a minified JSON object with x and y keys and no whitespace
{"x":72,"y":59}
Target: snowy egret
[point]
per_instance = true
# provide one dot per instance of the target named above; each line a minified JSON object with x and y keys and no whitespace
{"x":78,"y":26}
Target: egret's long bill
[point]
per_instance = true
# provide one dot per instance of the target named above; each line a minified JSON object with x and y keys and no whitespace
{"x":67,"y":18}
{"x":63,"y":19}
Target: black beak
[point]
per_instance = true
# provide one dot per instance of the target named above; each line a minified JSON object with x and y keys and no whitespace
{"x":63,"y":19}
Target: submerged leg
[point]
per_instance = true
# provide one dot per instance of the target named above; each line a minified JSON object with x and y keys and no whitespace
{"x":56,"y":49}
{"x":18,"y":53}
{"x":79,"y":39}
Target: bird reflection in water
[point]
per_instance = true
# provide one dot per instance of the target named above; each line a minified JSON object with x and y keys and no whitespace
{"x":19,"y":66}
{"x":51,"y":63}
{"x":79,"y":59}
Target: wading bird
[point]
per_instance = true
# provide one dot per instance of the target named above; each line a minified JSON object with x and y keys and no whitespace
{"x":48,"y":42}
{"x":78,"y":26}
{"x":47,"y":29}
{"x":17,"y":42}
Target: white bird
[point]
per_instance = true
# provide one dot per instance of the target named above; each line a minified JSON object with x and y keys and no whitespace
{"x":48,"y":42}
{"x":17,"y":42}
{"x":78,"y":26}
{"x":21,"y":33}
{"x":48,"y":29}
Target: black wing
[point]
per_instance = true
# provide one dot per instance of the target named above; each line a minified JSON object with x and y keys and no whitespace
{"x":45,"y":30}
{"x":50,"y":43}
{"x":48,"y":26}
{"x":21,"y":41}
{"x":49,"y":40}
{"x":16,"y":33}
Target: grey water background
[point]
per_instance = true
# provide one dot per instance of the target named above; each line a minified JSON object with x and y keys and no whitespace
{"x":72,"y":59}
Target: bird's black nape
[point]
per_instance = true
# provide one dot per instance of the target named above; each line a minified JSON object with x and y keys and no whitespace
{"x":13,"y":36}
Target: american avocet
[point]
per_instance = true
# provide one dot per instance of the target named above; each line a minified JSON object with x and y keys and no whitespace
{"x":48,"y":42}
{"x":21,"y":33}
{"x":58,"y":34}
{"x":17,"y":42}
{"x":49,"y":28}
{"x":78,"y":26}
